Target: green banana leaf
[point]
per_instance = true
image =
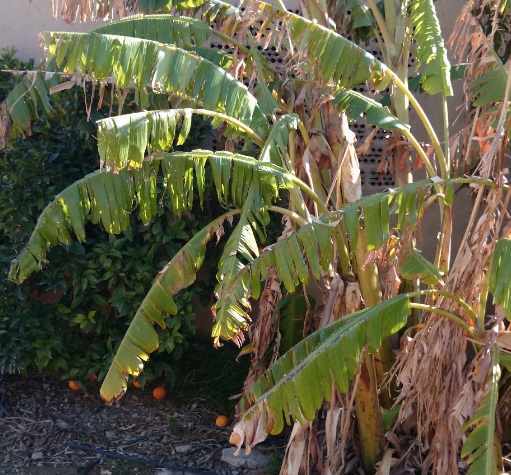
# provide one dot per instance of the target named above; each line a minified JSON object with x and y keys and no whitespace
{"x":124,"y":141}
{"x":431,"y":53}
{"x":141,"y":338}
{"x":500,"y":283}
{"x":297,"y":384}
{"x":482,"y":446}
{"x":109,"y":197}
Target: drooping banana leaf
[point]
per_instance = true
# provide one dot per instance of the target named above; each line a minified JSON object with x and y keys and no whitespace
{"x":166,"y":69}
{"x":297,"y":384}
{"x":292,"y":310}
{"x":482,"y":446}
{"x":339,"y":61}
{"x":490,"y":87}
{"x":375,"y":210}
{"x":308,"y":248}
{"x":241,"y":248}
{"x":25,"y":99}
{"x":213,"y":11}
{"x":78,"y":10}
{"x":355,"y":104}
{"x":123,"y":141}
{"x":431,"y":53}
{"x":222,"y":59}
{"x":180,"y":31}
{"x":141,"y":338}
{"x":353,"y":15}
{"x":416,"y":266}
{"x":275,"y":146}
{"x":458,"y":72}
{"x":257,"y":66}
{"x":500,"y":283}
{"x":230,"y":310}
{"x":488,"y":82}
{"x":109,"y":197}
{"x":187,"y":33}
{"x":275,"y":151}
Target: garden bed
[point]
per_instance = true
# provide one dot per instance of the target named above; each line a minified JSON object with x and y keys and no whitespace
{"x":47,"y":428}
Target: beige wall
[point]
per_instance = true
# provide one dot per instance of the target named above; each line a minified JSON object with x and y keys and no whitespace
{"x":22,"y":20}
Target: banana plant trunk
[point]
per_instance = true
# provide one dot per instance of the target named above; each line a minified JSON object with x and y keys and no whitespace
{"x":367,"y":403}
{"x":370,"y":426}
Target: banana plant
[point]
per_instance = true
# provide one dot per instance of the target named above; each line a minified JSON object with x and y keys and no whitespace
{"x":289,"y":152}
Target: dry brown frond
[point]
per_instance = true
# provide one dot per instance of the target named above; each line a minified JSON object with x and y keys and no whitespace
{"x":254,"y":430}
{"x":436,"y":381}
{"x":470,"y":44}
{"x":93,"y":10}
{"x":482,"y":144}
{"x":296,"y":455}
{"x":265,"y":329}
{"x":430,"y":371}
{"x":5,"y":125}
{"x":333,"y":301}
{"x":469,"y":144}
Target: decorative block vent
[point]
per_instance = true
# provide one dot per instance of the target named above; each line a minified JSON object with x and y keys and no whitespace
{"x":372,"y":180}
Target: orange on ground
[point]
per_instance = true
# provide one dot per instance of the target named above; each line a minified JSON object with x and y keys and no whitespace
{"x":222,"y":421}
{"x":74,"y":385}
{"x":136,"y":384}
{"x":159,"y":392}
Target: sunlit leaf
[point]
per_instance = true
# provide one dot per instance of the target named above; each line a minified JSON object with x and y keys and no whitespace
{"x":296,"y":385}
{"x":482,"y":446}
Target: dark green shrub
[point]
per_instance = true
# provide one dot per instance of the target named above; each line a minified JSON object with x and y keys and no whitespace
{"x":8,"y":61}
{"x":70,"y":317}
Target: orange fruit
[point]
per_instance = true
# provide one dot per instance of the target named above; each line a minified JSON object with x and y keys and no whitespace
{"x":136,"y":384}
{"x":159,"y":392}
{"x":74,"y":385}
{"x":222,"y":421}
{"x":92,"y":378}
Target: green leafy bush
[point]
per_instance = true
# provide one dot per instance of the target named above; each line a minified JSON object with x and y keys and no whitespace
{"x":88,"y":294}
{"x":9,"y":61}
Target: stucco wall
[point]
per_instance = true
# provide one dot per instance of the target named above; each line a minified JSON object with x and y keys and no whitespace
{"x":22,"y":20}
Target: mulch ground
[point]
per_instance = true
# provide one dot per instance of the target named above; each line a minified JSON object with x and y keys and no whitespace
{"x":46,"y":428}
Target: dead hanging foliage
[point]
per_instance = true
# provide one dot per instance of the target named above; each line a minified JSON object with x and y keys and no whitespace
{"x":435,"y":362}
{"x":339,"y":432}
{"x":93,"y":10}
{"x":469,"y":43}
{"x":477,"y":50}
{"x":469,"y":144}
{"x":296,"y":457}
{"x":480,"y":147}
{"x":266,"y":329}
{"x":432,"y":369}
{"x":5,"y":125}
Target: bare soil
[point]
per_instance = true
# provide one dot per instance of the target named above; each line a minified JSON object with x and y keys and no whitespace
{"x":46,"y":428}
